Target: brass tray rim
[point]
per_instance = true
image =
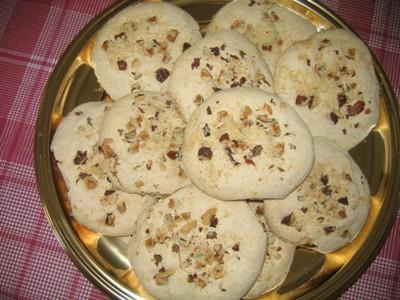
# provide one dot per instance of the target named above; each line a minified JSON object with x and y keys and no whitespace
{"x":92,"y":269}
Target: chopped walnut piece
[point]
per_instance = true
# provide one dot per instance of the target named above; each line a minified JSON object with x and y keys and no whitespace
{"x":90,"y":182}
{"x":204,"y":153}
{"x":152,"y":20}
{"x":205,"y":74}
{"x":173,"y":154}
{"x":224,"y":138}
{"x":105,"y":45}
{"x":342,"y":213}
{"x":288,"y":220}
{"x":186,"y":215}
{"x":139,"y":184}
{"x":334,"y":117}
{"x":106,"y":149}
{"x":172,"y":34}
{"x":134,"y":148}
{"x":195,"y":63}
{"x":149,"y":164}
{"x":149,"y":243}
{"x":215,"y":51}
{"x":80,"y":158}
{"x":266,"y":47}
{"x":256,"y":151}
{"x":213,"y":221}
{"x":121,"y":207}
{"x":343,"y":200}
{"x":300,"y":100}
{"x":341,"y":99}
{"x":279,"y":149}
{"x":236,"y":247}
{"x":162,"y":74}
{"x":351,"y":53}
{"x":356,"y":108}
{"x":247,"y":111}
{"x":211,"y":235}
{"x":110,"y":218}
{"x":171,"y":203}
{"x":162,"y":276}
{"x":217,"y":271}
{"x":209,"y":112}
{"x":188,"y":227}
{"x":181,"y":172}
{"x":175,"y":248}
{"x":198,"y":100}
{"x":122,"y":65}
{"x":236,"y":24}
{"x":185,"y":46}
{"x":157,"y":259}
{"x":329,"y":229}
{"x":263,"y":118}
{"x":206,"y":217}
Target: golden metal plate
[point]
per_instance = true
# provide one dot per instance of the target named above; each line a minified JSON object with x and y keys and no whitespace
{"x":103,"y":259}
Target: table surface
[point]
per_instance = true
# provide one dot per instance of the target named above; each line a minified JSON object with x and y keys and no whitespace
{"x":33,"y":35}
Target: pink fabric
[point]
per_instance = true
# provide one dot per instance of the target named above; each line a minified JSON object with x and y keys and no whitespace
{"x":33,"y":35}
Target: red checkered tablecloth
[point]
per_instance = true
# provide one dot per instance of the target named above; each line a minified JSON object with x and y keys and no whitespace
{"x":33,"y":35}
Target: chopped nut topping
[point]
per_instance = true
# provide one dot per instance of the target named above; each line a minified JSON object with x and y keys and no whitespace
{"x":206,"y":130}
{"x":90,"y":182}
{"x":122,"y":65}
{"x":334,"y":117}
{"x":106,"y":149}
{"x":173,"y":154}
{"x":195,"y":63}
{"x":215,"y":50}
{"x":172,"y":34}
{"x":213,"y":221}
{"x":186,"y":215}
{"x":209,"y":112}
{"x":329,"y":229}
{"x":260,"y":210}
{"x":224,"y":138}
{"x":343,"y":200}
{"x":171,"y":203}
{"x":105,"y":45}
{"x":157,"y":259}
{"x":249,"y":161}
{"x":300,"y":100}
{"x":139,"y":184}
{"x":324,"y":179}
{"x":211,"y":235}
{"x":204,"y":153}
{"x":356,"y":108}
{"x":121,"y":36}
{"x":198,"y":100}
{"x":121,"y":207}
{"x":205,"y":74}
{"x":266,"y":47}
{"x":256,"y":151}
{"x":162,"y":74}
{"x":264,"y":118}
{"x":175,"y":248}
{"x":110,"y":218}
{"x":217,"y":272}
{"x":229,"y":153}
{"x":80,"y":158}
{"x":236,"y":247}
{"x":247,"y":111}
{"x":134,"y":148}
{"x":236,"y":24}
{"x":222,"y":114}
{"x":342,"y":213}
{"x":185,"y":46}
{"x":162,"y":276}
{"x":189,"y":226}
{"x":206,"y":217}
{"x":181,"y":172}
{"x":351,"y":53}
{"x":149,"y":243}
{"x":152,"y":20}
{"x":341,"y":99}
{"x":109,"y":192}
{"x":288,"y":220}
